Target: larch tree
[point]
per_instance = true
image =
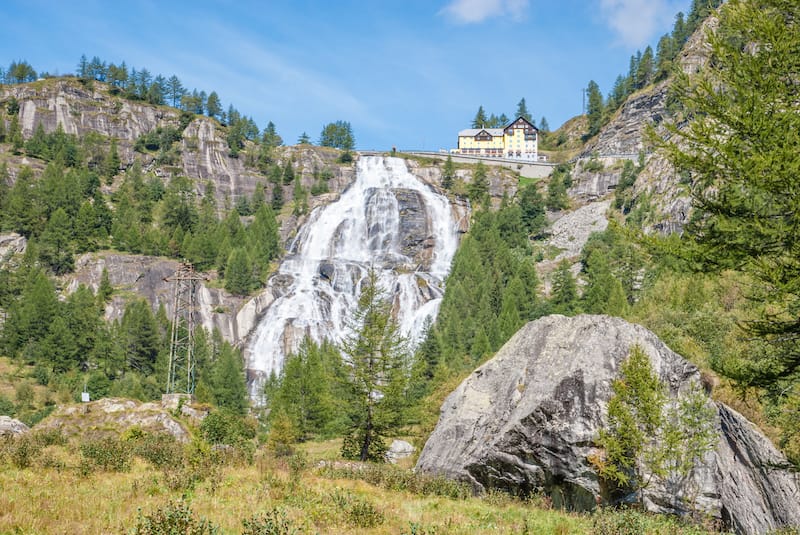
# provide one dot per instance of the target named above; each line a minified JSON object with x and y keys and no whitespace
{"x":741,"y":149}
{"x":377,"y":358}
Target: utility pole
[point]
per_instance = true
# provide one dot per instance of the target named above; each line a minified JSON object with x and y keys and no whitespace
{"x":180,"y":379}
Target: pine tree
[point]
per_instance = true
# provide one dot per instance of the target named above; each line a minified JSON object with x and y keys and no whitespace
{"x":448,"y":173}
{"x":376,"y":355}
{"x":56,"y":243}
{"x":263,"y":238}
{"x":270,"y":137}
{"x":83,"y":67}
{"x":595,"y":108}
{"x":228,"y":385}
{"x":478,"y":188}
{"x":564,"y":295}
{"x":213,"y":105}
{"x":58,"y":348}
{"x":644,"y":73}
{"x":544,"y":126}
{"x":339,"y":135}
{"x":288,"y":173}
{"x":599,"y":283}
{"x":557,"y":198}
{"x":648,"y":434}
{"x":522,"y":111}
{"x":238,"y":272}
{"x":665,"y":53}
{"x":83,"y":319}
{"x":175,"y":90}
{"x":31,"y":315}
{"x":307,"y":390}
{"x":532,"y":206}
{"x":112,"y":162}
{"x":634,"y":419}
{"x":480,"y":119}
{"x":23,"y":210}
{"x":140,"y":337}
{"x":85,"y":228}
{"x":105,"y":289}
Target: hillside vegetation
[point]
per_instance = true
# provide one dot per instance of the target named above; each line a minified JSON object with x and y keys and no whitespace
{"x":723,"y":293}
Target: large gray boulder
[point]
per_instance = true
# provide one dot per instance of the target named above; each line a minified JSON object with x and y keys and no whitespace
{"x":527,"y":421}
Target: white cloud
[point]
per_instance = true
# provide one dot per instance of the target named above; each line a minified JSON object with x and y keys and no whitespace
{"x":475,"y":11}
{"x":637,"y":21}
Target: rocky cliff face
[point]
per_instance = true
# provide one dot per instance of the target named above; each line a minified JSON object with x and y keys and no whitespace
{"x":145,"y":277}
{"x":204,"y":153}
{"x":527,"y":421}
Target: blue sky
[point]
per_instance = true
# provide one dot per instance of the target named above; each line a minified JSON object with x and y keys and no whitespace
{"x":407,"y":73}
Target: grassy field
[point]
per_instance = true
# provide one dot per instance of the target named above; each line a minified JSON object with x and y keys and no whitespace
{"x":50,"y":485}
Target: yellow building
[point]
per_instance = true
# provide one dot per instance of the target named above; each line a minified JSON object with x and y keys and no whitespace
{"x":518,"y":140}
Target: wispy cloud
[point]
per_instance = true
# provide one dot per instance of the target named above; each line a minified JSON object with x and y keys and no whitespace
{"x":636,"y":21}
{"x":475,"y":11}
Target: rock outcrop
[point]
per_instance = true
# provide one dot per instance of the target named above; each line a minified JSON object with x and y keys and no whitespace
{"x":113,"y":416}
{"x":12,"y":427}
{"x":145,"y":276}
{"x":624,"y":138}
{"x":527,"y":421}
{"x":415,"y":237}
{"x":399,"y":449}
{"x":203,"y":153}
{"x":11,"y":244}
{"x":570,"y":232}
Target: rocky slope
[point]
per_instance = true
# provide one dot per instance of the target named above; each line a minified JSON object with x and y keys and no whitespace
{"x":624,"y":137}
{"x":145,"y":276}
{"x":204,"y":155}
{"x":113,"y":416}
{"x":528,"y":421}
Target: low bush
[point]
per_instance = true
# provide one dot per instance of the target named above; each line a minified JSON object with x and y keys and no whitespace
{"x":109,"y":454}
{"x":357,"y":511}
{"x":393,"y":478}
{"x":627,"y":521}
{"x":273,"y":522}
{"x":226,"y":427}
{"x":173,"y":518}
{"x":22,"y":450}
{"x":159,"y":449}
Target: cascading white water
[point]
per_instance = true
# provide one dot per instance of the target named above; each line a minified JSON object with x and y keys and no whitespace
{"x":387,"y":220}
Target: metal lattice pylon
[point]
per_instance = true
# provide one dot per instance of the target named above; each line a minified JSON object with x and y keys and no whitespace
{"x":180,"y":379}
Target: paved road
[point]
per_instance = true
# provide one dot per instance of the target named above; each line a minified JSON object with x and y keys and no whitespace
{"x":525,"y":168}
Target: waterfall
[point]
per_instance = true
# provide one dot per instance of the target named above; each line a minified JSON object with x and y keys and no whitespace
{"x":387,"y":220}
